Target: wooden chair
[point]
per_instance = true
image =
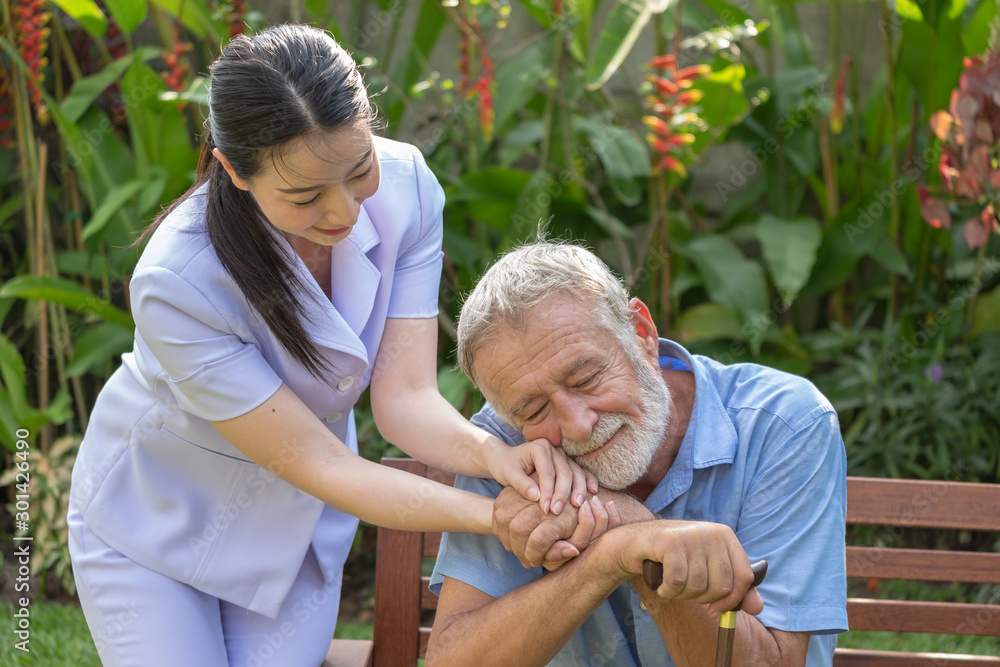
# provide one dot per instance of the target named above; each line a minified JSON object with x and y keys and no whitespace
{"x":402,"y":595}
{"x":921,"y":504}
{"x":404,"y":605}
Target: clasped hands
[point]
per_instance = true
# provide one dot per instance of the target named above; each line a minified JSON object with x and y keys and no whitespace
{"x":703,"y":561}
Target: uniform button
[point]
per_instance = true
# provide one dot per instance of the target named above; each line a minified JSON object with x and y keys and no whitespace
{"x":346,"y":383}
{"x":334,"y":418}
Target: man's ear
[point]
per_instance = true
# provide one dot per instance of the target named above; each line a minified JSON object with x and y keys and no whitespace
{"x":645,"y":328}
{"x":237,"y":181}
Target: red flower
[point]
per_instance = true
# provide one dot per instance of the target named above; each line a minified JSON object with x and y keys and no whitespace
{"x":32,"y":39}
{"x":837,"y":116}
{"x":932,"y":209}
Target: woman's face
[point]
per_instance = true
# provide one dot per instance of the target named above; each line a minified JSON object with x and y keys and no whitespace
{"x":314,"y":189}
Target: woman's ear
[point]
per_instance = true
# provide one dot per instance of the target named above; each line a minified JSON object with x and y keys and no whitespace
{"x":237,"y":181}
{"x":645,"y":328}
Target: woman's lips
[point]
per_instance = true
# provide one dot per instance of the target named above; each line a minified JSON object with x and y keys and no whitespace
{"x":332,"y":232}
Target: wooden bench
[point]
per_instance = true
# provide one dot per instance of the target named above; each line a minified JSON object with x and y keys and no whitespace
{"x":404,"y":605}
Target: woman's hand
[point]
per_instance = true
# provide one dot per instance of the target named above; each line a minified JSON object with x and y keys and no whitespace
{"x":559,"y":479}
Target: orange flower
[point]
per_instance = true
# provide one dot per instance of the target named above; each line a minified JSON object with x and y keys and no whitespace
{"x":665,"y":86}
{"x":235,"y":18}
{"x":691,"y":73}
{"x":670,"y":163}
{"x":657,"y":125}
{"x":667,"y":61}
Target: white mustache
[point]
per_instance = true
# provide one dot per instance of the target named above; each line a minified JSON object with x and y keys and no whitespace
{"x":605,"y":427}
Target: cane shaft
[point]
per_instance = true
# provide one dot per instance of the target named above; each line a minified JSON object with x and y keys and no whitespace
{"x":727,"y":639}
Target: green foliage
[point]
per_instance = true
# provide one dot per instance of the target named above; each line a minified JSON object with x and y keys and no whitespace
{"x":807,"y":251}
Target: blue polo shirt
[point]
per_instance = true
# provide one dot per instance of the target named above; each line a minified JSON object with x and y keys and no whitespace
{"x":762,"y":454}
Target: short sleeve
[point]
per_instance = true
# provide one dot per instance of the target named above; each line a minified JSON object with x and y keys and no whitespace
{"x":212,"y":372}
{"x":479,"y":560}
{"x":795,"y":513}
{"x":417,"y":279}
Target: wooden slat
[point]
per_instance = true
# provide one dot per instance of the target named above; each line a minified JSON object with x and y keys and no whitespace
{"x":849,"y":657}
{"x":432,"y":542}
{"x":923,"y":565}
{"x":349,"y":653}
{"x":427,"y":599}
{"x":951,"y":618}
{"x":897,"y":502}
{"x":398,"y":568}
{"x":425,"y":636}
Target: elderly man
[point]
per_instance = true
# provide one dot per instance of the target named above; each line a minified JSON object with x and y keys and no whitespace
{"x":693,"y":456}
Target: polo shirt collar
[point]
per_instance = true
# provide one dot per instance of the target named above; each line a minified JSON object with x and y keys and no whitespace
{"x":710,"y":438}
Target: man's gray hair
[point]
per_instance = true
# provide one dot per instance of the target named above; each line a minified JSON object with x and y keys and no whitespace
{"x":510,"y":290}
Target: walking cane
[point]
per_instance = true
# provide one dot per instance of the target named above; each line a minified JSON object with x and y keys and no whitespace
{"x":652,"y":573}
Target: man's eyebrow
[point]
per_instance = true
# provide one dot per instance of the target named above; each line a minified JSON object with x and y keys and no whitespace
{"x":568,"y":373}
{"x":320,"y":186}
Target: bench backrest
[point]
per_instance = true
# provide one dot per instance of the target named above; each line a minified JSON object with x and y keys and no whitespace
{"x":404,"y":605}
{"x":895,"y":504}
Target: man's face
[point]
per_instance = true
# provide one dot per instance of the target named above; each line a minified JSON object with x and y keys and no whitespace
{"x":569,"y":380}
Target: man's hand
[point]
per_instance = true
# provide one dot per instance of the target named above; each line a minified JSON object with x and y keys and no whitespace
{"x":549,"y":540}
{"x":702,"y":562}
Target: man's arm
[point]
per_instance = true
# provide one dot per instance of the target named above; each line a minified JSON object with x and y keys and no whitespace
{"x":687,"y":627}
{"x":703,"y":563}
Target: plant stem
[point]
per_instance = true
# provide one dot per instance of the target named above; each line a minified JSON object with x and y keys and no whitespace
{"x":42,"y":331}
{"x":977,"y":284}
{"x":890,"y":103}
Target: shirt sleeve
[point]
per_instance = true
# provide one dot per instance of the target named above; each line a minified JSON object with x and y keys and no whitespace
{"x":481,"y":560}
{"x":794,"y":515}
{"x":417,"y":278}
{"x":212,"y":372}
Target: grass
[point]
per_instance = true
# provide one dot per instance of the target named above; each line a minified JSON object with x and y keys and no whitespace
{"x":60,"y":638}
{"x":917,"y":642}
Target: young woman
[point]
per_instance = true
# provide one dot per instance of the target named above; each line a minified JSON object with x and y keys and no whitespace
{"x":218,"y":488}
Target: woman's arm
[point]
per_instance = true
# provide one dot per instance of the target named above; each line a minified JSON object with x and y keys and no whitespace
{"x":283,"y":436}
{"x":411,"y":413}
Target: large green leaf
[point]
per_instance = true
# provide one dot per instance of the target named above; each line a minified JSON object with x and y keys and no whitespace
{"x":733,"y":280}
{"x":976,"y":35}
{"x":85,"y":90}
{"x":533,"y":206}
{"x":12,"y":370}
{"x":986,"y":319}
{"x":724,"y":103}
{"x":87,"y":14}
{"x":621,"y":30}
{"x":110,"y":206}
{"x":197,"y":18}
{"x":789,"y":248}
{"x":622,"y":154}
{"x":888,"y":254}
{"x":517,"y":80}
{"x":930,"y":54}
{"x":98,"y":345}
{"x":708,"y":321}
{"x":67,"y":293}
{"x":128,"y":13}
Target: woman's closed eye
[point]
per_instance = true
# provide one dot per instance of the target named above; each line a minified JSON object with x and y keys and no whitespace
{"x":306,"y":203}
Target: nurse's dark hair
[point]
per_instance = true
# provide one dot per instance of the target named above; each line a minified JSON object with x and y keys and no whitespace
{"x":286,"y":82}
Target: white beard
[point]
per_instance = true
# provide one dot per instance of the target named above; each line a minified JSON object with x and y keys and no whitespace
{"x":627,"y":461}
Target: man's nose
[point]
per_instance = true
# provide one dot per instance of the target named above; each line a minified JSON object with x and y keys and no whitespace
{"x":576,"y":419}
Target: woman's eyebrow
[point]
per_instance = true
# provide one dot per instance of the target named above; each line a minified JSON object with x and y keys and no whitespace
{"x":320,"y":186}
